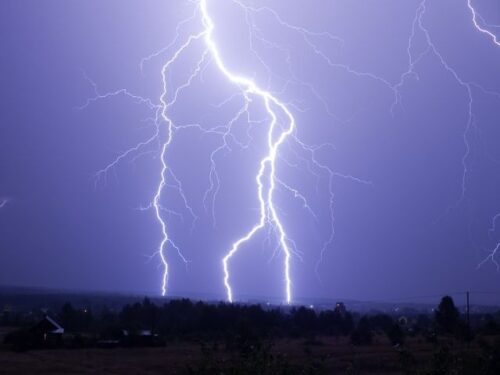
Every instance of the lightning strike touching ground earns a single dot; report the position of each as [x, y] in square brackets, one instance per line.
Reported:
[249, 87]
[266, 179]
[268, 164]
[268, 210]
[282, 139]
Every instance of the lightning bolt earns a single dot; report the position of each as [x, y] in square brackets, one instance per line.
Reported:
[479, 24]
[475, 17]
[268, 211]
[476, 20]
[281, 127]
[161, 116]
[249, 90]
[468, 86]
[267, 208]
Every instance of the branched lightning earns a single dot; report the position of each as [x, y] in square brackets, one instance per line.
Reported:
[477, 19]
[278, 133]
[467, 86]
[161, 116]
[164, 168]
[267, 165]
[281, 129]
[479, 24]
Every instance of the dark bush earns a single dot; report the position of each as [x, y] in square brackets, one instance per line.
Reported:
[395, 334]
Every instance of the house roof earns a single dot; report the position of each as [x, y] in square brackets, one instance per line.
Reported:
[57, 326]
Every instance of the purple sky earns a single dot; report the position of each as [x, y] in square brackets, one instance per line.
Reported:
[411, 159]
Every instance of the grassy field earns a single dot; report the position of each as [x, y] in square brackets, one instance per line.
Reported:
[333, 356]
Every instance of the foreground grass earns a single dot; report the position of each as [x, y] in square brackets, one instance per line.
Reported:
[325, 355]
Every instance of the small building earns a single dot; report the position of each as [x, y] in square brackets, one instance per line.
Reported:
[48, 330]
[141, 338]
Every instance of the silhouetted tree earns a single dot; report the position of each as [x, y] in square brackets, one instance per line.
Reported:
[447, 315]
[68, 316]
[304, 319]
[74, 320]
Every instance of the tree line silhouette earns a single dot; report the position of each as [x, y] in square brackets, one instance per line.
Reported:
[240, 339]
[148, 323]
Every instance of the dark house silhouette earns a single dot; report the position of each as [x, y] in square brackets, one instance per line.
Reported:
[48, 331]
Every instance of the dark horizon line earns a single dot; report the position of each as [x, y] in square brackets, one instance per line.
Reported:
[211, 297]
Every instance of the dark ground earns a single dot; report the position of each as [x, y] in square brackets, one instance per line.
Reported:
[329, 355]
